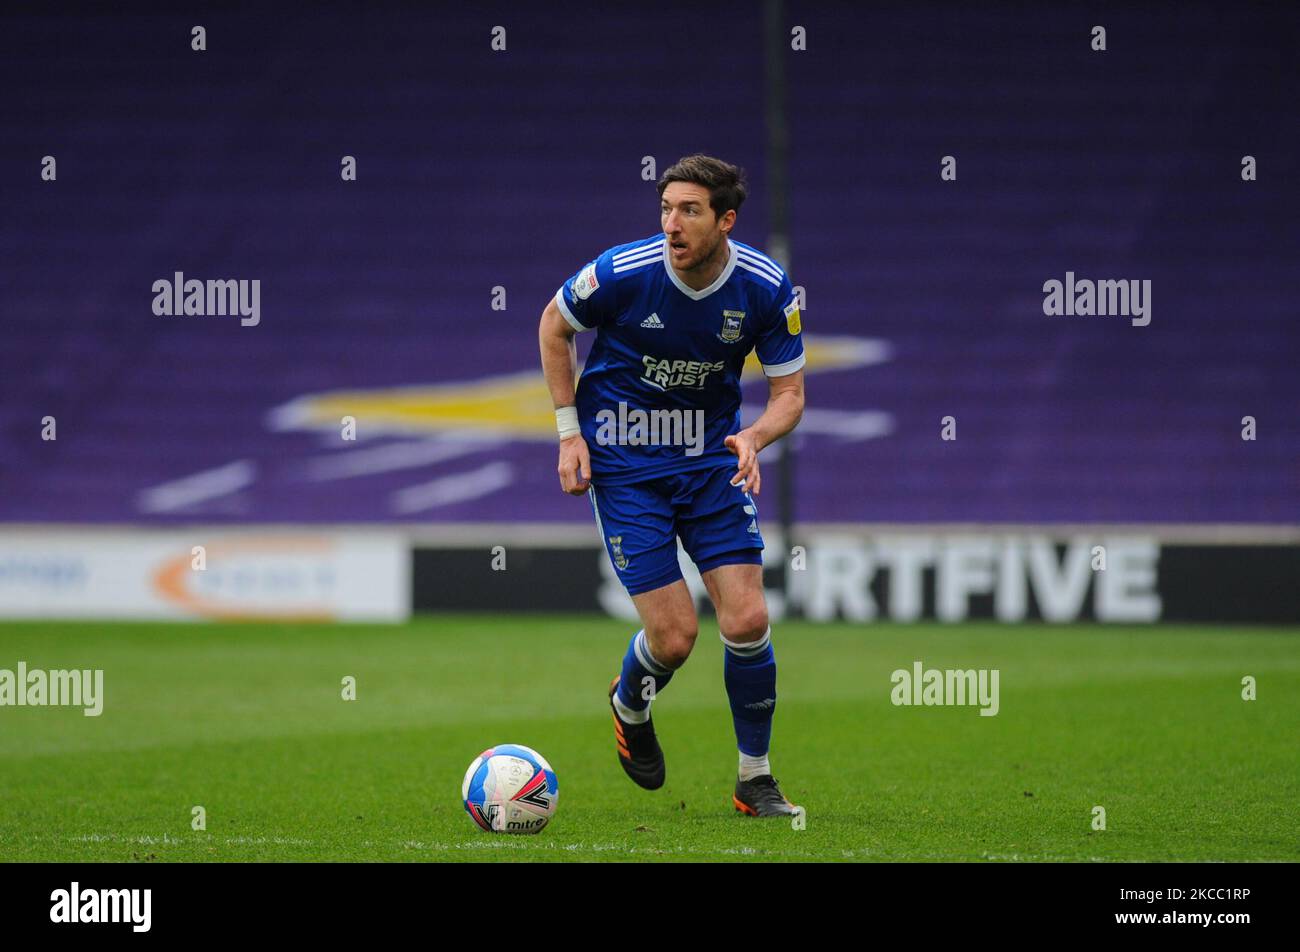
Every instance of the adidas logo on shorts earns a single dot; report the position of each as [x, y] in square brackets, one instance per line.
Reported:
[653, 321]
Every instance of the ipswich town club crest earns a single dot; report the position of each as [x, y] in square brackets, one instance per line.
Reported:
[731, 325]
[616, 547]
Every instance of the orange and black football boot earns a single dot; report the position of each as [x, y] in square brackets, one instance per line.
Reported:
[638, 748]
[761, 797]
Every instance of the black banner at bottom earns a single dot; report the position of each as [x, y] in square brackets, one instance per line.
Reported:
[333, 901]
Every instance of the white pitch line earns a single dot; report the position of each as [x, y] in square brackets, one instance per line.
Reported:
[200, 487]
[346, 464]
[451, 489]
[521, 845]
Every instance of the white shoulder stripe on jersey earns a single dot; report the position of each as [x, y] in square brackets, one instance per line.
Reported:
[755, 266]
[761, 258]
[742, 263]
[652, 255]
[634, 266]
[635, 252]
[759, 263]
[650, 243]
[638, 262]
[563, 305]
[638, 253]
[785, 369]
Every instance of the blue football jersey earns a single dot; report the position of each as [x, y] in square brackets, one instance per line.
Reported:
[664, 351]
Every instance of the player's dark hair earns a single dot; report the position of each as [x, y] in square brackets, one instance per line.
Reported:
[725, 182]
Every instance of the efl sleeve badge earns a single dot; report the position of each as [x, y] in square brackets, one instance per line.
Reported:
[792, 323]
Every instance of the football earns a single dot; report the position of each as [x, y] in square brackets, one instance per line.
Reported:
[510, 788]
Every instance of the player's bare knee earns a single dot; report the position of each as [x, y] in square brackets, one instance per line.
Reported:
[677, 653]
[680, 644]
[746, 626]
[672, 643]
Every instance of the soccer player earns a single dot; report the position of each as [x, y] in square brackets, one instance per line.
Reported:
[653, 436]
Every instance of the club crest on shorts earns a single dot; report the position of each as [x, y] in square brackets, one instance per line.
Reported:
[731, 325]
[616, 549]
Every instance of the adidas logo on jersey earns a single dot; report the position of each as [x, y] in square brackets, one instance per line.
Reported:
[653, 321]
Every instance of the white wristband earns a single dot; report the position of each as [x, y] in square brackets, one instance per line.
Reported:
[566, 421]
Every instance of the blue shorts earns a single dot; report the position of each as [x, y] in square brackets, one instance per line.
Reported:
[640, 522]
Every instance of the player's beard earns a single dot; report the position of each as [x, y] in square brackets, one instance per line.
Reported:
[709, 259]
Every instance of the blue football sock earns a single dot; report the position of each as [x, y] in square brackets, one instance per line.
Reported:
[634, 690]
[750, 673]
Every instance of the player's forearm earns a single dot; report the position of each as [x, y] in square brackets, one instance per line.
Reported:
[783, 412]
[559, 365]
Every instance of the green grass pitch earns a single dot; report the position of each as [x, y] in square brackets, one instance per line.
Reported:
[247, 721]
